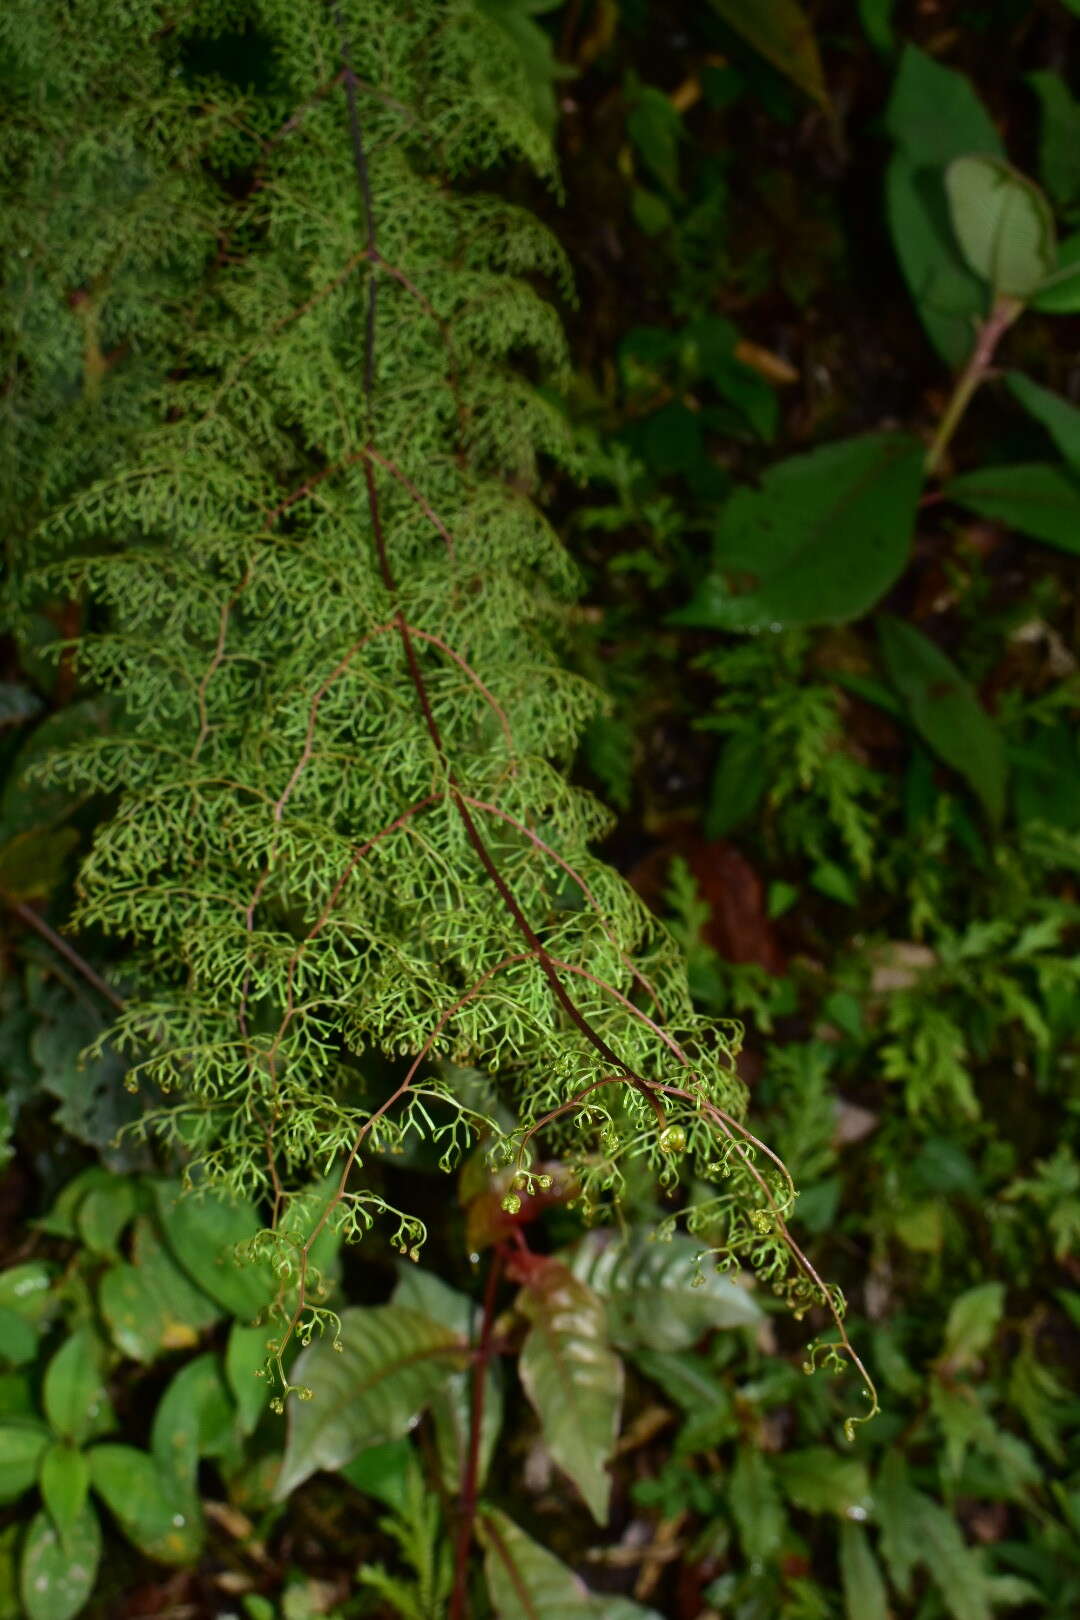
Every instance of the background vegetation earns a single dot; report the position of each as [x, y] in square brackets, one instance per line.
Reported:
[823, 478]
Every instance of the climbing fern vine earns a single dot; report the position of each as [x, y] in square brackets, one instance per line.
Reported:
[342, 841]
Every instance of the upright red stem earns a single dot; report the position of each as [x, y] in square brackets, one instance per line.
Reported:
[470, 1483]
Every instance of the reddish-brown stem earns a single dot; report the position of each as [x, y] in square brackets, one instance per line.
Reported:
[470, 1484]
[30, 917]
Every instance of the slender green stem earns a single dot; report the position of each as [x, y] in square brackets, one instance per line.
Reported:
[990, 333]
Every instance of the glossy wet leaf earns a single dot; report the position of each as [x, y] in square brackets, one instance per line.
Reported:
[162, 1517]
[25, 1289]
[526, 1582]
[1041, 499]
[780, 31]
[1003, 224]
[572, 1377]
[76, 1402]
[945, 710]
[392, 1363]
[203, 1233]
[22, 1445]
[64, 1480]
[865, 1595]
[55, 1577]
[1058, 416]
[820, 540]
[658, 1296]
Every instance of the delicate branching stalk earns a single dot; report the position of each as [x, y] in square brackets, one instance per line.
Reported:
[989, 335]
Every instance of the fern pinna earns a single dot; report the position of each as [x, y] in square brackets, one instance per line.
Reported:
[343, 831]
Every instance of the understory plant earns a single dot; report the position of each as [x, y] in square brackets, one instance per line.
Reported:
[330, 819]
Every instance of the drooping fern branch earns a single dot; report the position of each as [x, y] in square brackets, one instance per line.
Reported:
[343, 829]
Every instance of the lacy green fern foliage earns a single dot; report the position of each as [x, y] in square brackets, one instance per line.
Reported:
[343, 826]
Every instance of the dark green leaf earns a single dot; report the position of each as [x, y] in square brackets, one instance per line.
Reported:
[755, 1504]
[1060, 293]
[195, 1418]
[655, 128]
[1059, 139]
[1038, 498]
[64, 1478]
[162, 1517]
[57, 1578]
[934, 116]
[658, 1296]
[245, 1371]
[382, 1471]
[972, 1322]
[780, 32]
[572, 1377]
[738, 784]
[945, 711]
[25, 1289]
[393, 1362]
[1060, 419]
[865, 1597]
[824, 537]
[22, 1445]
[203, 1232]
[821, 1480]
[76, 1403]
[1003, 224]
[104, 1212]
[18, 1341]
[526, 1582]
[151, 1306]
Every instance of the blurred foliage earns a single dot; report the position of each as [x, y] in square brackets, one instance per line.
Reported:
[843, 740]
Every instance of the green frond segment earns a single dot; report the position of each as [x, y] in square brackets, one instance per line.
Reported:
[316, 741]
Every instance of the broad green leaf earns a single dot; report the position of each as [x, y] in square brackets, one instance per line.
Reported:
[164, 1522]
[823, 1481]
[25, 1289]
[1038, 498]
[64, 1478]
[779, 30]
[60, 1219]
[22, 1445]
[656, 128]
[738, 784]
[972, 1322]
[195, 1418]
[245, 1372]
[393, 1362]
[825, 535]
[203, 1233]
[526, 1582]
[18, 1341]
[876, 19]
[104, 1212]
[1060, 293]
[755, 1504]
[1003, 224]
[953, 1566]
[896, 1505]
[152, 1306]
[572, 1377]
[945, 711]
[685, 1378]
[76, 1403]
[382, 1471]
[658, 1296]
[1060, 419]
[55, 1577]
[865, 1597]
[934, 116]
[1059, 139]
